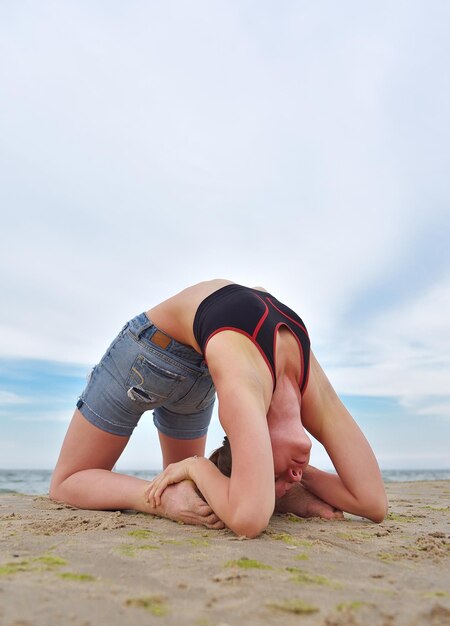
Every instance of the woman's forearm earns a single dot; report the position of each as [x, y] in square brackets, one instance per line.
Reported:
[237, 513]
[330, 488]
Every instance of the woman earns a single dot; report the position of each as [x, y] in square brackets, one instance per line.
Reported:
[270, 389]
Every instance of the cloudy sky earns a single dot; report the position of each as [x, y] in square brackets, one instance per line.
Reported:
[145, 146]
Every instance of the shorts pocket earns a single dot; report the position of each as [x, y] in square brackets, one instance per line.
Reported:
[199, 396]
[151, 383]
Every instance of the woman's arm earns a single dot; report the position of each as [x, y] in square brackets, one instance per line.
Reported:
[246, 500]
[83, 478]
[358, 486]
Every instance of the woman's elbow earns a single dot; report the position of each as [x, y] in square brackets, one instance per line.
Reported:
[249, 525]
[249, 529]
[377, 510]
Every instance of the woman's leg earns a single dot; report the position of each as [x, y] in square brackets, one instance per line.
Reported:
[83, 478]
[174, 450]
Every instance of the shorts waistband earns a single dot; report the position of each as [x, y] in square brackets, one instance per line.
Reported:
[143, 328]
[158, 337]
[141, 323]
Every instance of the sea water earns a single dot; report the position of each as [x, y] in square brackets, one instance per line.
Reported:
[36, 482]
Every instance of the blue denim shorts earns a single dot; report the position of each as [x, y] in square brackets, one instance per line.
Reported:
[145, 369]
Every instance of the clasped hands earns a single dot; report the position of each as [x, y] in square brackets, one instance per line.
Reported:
[174, 473]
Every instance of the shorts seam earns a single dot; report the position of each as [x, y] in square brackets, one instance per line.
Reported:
[181, 433]
[103, 419]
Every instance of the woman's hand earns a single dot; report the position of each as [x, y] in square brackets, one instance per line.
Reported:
[174, 473]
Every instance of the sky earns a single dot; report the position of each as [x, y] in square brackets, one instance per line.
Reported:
[304, 147]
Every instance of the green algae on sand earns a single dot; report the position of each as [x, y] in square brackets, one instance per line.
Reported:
[201, 543]
[14, 567]
[301, 557]
[356, 535]
[142, 533]
[305, 578]
[50, 561]
[290, 540]
[130, 549]
[246, 563]
[156, 605]
[44, 563]
[436, 594]
[298, 607]
[350, 606]
[75, 576]
[436, 508]
[389, 556]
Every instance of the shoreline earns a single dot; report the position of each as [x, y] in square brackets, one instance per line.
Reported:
[59, 564]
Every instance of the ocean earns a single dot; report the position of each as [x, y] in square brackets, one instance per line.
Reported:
[36, 482]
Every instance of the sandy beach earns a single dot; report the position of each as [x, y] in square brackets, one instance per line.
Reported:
[60, 565]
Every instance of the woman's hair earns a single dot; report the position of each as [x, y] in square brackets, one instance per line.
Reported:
[222, 457]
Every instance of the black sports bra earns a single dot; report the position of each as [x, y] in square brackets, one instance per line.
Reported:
[255, 314]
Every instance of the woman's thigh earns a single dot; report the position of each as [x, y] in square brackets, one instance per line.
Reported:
[135, 375]
[86, 447]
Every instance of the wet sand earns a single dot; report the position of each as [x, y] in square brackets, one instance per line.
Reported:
[60, 565]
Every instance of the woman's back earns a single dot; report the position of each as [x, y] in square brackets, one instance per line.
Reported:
[175, 316]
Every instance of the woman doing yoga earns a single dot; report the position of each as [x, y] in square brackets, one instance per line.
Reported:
[254, 351]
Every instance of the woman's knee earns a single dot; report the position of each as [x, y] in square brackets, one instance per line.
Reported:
[56, 490]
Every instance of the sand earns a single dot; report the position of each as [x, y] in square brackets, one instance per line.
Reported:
[60, 565]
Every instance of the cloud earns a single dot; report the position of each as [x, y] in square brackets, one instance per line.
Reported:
[45, 416]
[8, 398]
[400, 350]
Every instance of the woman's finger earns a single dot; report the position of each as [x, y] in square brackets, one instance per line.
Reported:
[159, 489]
[150, 493]
[174, 473]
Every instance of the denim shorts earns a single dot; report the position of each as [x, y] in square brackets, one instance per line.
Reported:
[145, 369]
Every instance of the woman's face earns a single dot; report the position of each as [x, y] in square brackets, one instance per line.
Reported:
[291, 448]
[291, 445]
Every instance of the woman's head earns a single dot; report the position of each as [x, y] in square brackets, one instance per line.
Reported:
[288, 470]
[290, 443]
[222, 457]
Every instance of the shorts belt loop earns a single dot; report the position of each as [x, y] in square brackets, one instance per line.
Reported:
[159, 338]
[145, 325]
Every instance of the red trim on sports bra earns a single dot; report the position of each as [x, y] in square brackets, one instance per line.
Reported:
[305, 382]
[261, 321]
[289, 318]
[242, 332]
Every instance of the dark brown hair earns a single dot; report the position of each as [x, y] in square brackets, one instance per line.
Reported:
[222, 457]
